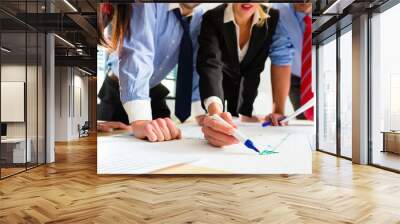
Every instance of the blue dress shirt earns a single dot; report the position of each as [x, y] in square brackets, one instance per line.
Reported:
[282, 49]
[150, 53]
[294, 25]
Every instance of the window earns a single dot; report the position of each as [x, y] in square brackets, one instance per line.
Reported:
[327, 96]
[346, 93]
[170, 82]
[102, 67]
[385, 89]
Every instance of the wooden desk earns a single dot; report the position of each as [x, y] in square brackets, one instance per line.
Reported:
[391, 141]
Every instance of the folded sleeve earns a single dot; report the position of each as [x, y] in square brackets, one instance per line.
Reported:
[282, 49]
[136, 62]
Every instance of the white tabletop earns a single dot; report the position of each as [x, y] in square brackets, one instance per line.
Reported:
[124, 154]
[13, 140]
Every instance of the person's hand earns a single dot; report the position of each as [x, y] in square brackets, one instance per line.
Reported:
[252, 119]
[110, 126]
[275, 119]
[200, 119]
[161, 129]
[218, 134]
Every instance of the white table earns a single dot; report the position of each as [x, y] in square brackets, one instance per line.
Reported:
[18, 151]
[124, 154]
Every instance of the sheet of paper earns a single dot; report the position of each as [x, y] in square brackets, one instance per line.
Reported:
[125, 154]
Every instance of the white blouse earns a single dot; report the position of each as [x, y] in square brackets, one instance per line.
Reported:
[228, 17]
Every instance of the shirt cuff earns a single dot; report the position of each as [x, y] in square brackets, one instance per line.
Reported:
[213, 99]
[281, 63]
[197, 109]
[138, 110]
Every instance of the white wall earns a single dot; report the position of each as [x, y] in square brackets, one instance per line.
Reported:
[81, 104]
[34, 126]
[263, 103]
[16, 73]
[61, 103]
[71, 102]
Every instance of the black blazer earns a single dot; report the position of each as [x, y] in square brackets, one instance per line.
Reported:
[218, 65]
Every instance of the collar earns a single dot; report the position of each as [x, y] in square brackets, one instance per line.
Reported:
[300, 15]
[172, 6]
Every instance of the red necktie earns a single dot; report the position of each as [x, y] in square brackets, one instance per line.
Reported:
[106, 8]
[306, 69]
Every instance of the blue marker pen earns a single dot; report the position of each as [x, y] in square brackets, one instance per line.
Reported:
[303, 108]
[237, 134]
[269, 123]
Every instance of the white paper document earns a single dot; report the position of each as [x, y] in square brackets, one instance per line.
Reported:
[124, 154]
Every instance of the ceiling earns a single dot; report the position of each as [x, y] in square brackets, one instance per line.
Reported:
[332, 15]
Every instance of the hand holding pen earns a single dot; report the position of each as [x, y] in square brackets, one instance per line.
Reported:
[284, 119]
[237, 134]
[275, 119]
[217, 133]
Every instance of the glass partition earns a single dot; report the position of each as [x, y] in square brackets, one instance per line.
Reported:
[22, 77]
[15, 150]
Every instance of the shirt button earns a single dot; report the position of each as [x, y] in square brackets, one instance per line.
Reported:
[167, 56]
[173, 41]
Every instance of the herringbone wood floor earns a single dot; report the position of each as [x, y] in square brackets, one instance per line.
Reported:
[69, 191]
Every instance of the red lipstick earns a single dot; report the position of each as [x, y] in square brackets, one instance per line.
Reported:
[246, 6]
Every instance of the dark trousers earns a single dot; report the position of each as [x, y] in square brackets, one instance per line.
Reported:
[231, 94]
[240, 95]
[295, 94]
[111, 108]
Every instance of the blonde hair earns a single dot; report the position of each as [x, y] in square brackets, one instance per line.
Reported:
[263, 16]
